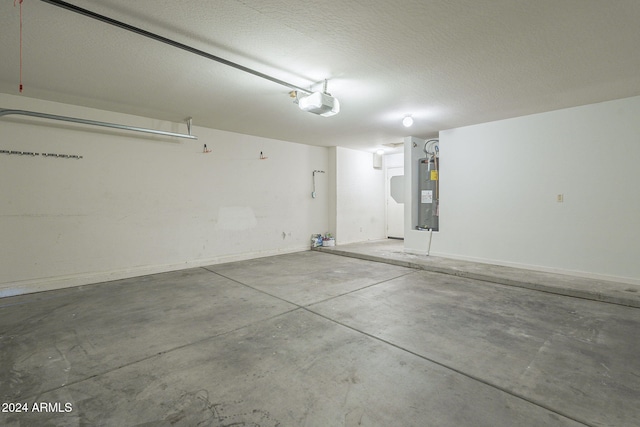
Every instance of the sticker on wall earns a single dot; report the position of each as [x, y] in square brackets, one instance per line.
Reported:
[33, 154]
[426, 196]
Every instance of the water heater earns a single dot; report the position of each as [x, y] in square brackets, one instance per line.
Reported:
[428, 197]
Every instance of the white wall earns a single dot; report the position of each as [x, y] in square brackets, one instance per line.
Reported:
[138, 204]
[500, 180]
[360, 213]
[333, 195]
[395, 160]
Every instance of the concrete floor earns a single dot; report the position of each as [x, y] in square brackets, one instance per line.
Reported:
[316, 339]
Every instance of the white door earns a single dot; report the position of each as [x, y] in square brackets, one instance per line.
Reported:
[395, 202]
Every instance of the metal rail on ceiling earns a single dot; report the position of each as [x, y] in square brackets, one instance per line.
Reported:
[7, 112]
[162, 39]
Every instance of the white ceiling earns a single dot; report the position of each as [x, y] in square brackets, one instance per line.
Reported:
[448, 62]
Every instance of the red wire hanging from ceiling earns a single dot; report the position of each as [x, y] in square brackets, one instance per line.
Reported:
[14, 5]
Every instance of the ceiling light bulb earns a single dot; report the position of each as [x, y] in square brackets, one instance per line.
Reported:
[380, 152]
[407, 121]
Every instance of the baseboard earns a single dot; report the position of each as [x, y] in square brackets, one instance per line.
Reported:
[61, 282]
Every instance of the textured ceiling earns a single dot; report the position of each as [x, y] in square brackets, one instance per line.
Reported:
[448, 62]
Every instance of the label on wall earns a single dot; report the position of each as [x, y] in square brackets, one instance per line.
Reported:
[426, 196]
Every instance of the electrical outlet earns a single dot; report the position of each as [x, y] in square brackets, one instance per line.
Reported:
[560, 198]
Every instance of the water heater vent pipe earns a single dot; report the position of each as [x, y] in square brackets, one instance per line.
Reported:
[431, 147]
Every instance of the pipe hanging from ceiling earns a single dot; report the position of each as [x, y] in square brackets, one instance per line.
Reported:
[162, 39]
[7, 112]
